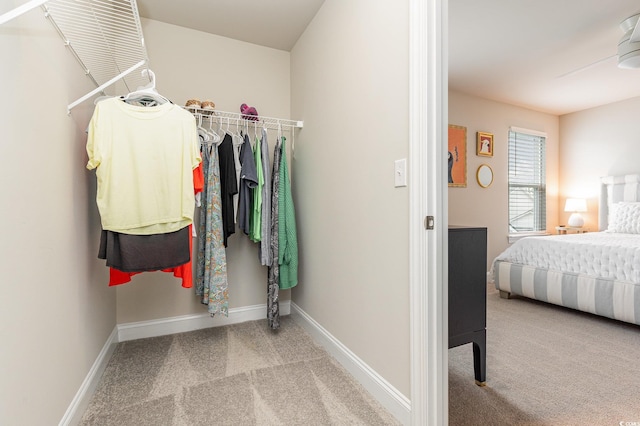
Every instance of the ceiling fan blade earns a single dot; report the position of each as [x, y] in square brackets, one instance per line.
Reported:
[635, 35]
[632, 22]
[586, 67]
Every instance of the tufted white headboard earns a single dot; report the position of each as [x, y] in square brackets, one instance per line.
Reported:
[614, 189]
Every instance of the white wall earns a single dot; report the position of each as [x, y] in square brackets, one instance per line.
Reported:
[57, 311]
[349, 74]
[488, 207]
[193, 64]
[597, 142]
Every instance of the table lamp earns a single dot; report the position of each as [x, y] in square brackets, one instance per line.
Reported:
[575, 205]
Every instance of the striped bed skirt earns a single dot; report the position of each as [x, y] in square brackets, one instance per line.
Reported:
[618, 300]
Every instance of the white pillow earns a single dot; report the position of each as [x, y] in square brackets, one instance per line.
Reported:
[624, 217]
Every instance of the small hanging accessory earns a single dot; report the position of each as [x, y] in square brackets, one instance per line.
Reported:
[248, 112]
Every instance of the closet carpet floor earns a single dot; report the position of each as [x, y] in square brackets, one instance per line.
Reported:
[240, 374]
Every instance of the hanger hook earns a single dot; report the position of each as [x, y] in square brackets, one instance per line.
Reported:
[152, 77]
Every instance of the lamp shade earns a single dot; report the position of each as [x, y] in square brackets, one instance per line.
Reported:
[575, 205]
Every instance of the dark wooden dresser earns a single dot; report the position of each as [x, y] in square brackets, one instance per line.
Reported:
[468, 294]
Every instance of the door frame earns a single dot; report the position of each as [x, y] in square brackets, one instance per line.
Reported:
[428, 117]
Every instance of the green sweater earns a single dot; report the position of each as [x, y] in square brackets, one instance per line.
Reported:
[255, 219]
[287, 236]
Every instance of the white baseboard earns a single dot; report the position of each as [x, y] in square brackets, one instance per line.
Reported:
[184, 323]
[81, 400]
[388, 396]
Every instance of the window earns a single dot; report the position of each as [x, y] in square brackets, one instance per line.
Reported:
[527, 182]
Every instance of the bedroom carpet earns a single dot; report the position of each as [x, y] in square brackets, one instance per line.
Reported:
[241, 374]
[548, 366]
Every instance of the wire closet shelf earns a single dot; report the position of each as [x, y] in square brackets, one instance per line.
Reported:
[104, 36]
[235, 118]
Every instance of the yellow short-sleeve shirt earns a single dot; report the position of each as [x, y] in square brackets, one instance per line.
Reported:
[144, 159]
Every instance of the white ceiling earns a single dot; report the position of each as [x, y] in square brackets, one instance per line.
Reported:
[272, 23]
[522, 52]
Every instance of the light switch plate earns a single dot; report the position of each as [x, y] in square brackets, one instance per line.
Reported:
[400, 173]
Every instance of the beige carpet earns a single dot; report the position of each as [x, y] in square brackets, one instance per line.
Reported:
[242, 374]
[548, 366]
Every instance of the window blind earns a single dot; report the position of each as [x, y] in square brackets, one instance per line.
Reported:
[527, 181]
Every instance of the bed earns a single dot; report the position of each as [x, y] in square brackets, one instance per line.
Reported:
[595, 272]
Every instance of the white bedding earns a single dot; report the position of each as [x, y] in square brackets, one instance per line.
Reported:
[601, 254]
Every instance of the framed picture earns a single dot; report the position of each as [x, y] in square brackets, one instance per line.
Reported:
[484, 144]
[457, 156]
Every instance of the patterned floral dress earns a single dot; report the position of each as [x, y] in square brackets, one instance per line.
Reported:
[211, 269]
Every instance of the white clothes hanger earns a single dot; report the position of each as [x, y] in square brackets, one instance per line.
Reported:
[229, 131]
[246, 130]
[205, 137]
[147, 92]
[215, 137]
[220, 129]
[237, 136]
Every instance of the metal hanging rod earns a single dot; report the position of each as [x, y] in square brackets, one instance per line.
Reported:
[270, 122]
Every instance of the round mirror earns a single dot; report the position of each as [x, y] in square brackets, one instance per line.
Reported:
[484, 175]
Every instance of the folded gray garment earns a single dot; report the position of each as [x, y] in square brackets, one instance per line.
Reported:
[137, 253]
